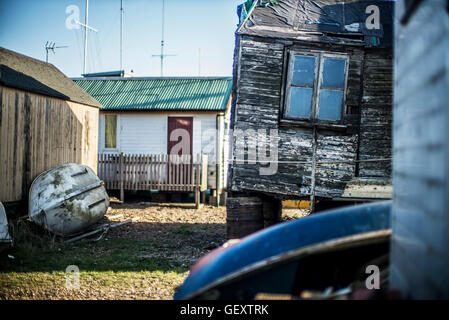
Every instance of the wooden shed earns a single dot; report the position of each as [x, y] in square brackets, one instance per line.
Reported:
[315, 76]
[45, 120]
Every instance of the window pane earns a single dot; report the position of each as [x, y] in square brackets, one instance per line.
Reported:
[334, 73]
[300, 102]
[303, 71]
[110, 131]
[330, 105]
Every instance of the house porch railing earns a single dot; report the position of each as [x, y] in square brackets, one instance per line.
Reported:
[160, 172]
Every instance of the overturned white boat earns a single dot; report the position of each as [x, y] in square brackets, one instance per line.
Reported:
[67, 199]
[5, 238]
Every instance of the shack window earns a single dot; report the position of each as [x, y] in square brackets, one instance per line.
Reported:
[315, 88]
[110, 131]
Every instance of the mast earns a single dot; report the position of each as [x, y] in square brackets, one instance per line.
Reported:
[86, 23]
[162, 41]
[162, 55]
[121, 35]
[199, 62]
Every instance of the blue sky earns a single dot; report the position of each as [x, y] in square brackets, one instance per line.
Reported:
[26, 25]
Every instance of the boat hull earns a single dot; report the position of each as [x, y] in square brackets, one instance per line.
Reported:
[255, 254]
[68, 199]
[5, 238]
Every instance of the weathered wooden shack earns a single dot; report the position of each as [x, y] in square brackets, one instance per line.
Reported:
[318, 74]
[45, 120]
[419, 256]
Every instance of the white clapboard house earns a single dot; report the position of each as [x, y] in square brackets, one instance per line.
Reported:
[139, 115]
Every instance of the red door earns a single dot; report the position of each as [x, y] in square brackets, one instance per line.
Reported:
[180, 135]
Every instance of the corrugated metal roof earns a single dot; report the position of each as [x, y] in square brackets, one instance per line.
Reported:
[200, 94]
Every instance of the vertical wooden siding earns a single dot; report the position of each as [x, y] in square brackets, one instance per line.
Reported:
[38, 133]
[419, 245]
[376, 113]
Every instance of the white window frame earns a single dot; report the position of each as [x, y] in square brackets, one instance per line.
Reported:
[117, 148]
[319, 55]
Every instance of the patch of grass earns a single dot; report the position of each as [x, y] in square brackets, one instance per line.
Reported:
[106, 255]
[92, 285]
[183, 230]
[109, 269]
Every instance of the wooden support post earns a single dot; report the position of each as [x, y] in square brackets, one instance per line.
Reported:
[203, 197]
[121, 169]
[313, 182]
[272, 211]
[217, 202]
[218, 182]
[244, 215]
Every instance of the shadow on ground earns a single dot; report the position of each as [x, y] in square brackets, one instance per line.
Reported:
[165, 237]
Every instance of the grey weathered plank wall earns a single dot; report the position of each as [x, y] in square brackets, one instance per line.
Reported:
[419, 254]
[376, 115]
[257, 96]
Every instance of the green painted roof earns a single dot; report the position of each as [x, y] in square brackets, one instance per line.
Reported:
[167, 93]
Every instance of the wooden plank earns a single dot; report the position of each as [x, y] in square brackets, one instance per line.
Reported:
[147, 172]
[183, 172]
[204, 172]
[169, 168]
[122, 186]
[158, 170]
[142, 174]
[197, 182]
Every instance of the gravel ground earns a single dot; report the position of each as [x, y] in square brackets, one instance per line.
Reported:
[181, 231]
[146, 259]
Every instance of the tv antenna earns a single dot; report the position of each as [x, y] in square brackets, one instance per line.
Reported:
[86, 27]
[162, 55]
[51, 46]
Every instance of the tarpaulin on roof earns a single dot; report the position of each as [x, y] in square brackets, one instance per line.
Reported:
[330, 16]
[244, 9]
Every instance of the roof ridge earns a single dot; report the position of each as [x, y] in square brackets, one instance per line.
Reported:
[33, 75]
[26, 57]
[152, 78]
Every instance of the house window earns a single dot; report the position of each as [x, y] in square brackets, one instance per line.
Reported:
[110, 132]
[315, 88]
